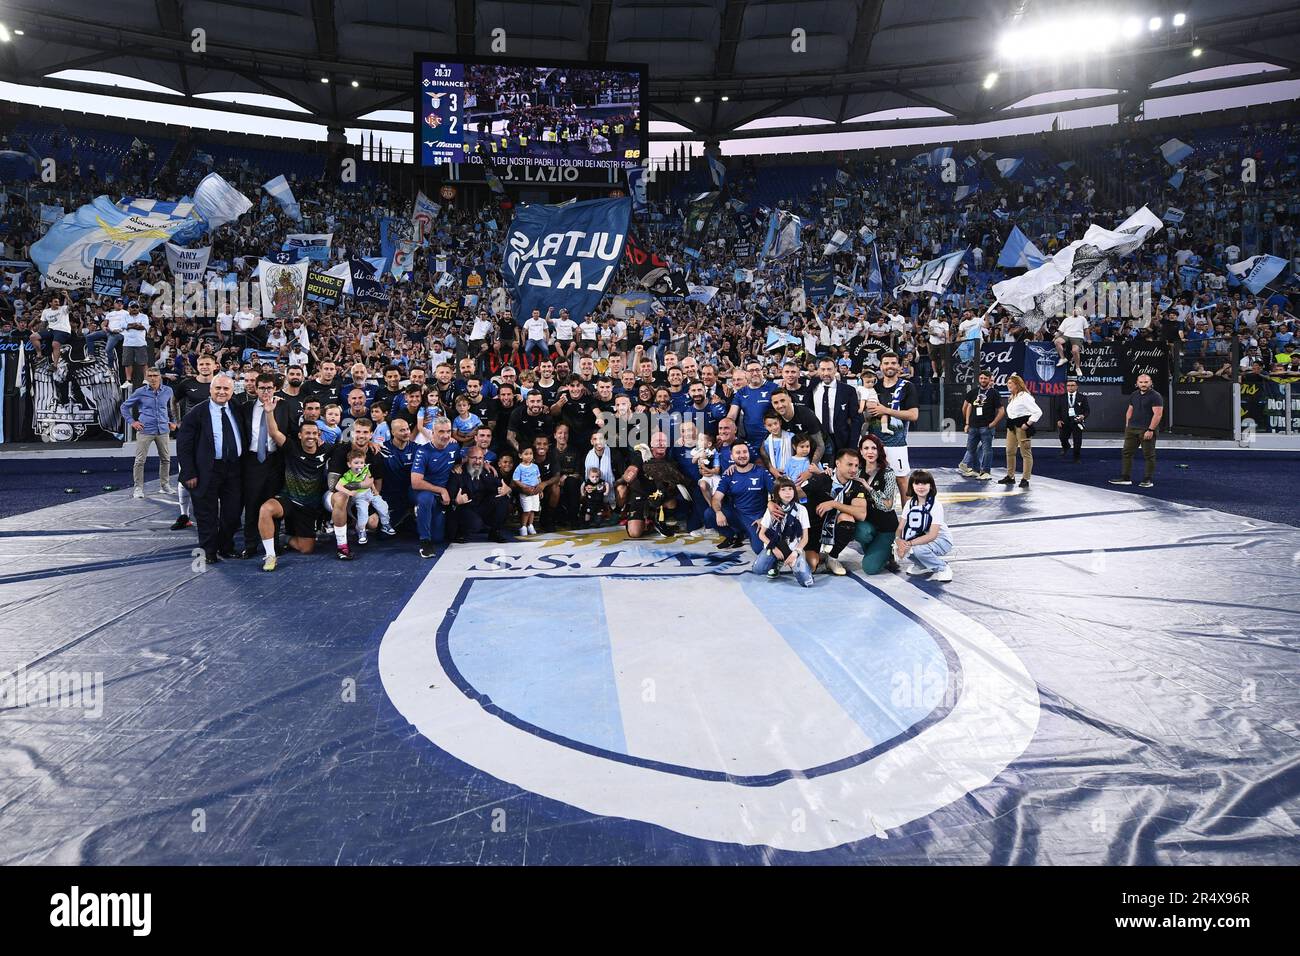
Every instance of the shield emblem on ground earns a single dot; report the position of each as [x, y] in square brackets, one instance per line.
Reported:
[668, 684]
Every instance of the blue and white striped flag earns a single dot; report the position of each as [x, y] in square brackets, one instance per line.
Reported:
[1176, 180]
[875, 281]
[964, 191]
[282, 193]
[933, 276]
[717, 170]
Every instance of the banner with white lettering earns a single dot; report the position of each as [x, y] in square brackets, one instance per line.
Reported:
[310, 245]
[564, 256]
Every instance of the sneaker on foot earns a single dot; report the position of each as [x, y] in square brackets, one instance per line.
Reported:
[138, 493]
[426, 549]
[1060, 362]
[985, 476]
[1024, 482]
[269, 563]
[343, 554]
[1008, 480]
[1121, 481]
[166, 490]
[835, 566]
[361, 536]
[943, 576]
[1146, 484]
[181, 523]
[965, 470]
[771, 573]
[915, 569]
[389, 530]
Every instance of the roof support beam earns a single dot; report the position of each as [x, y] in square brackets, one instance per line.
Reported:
[327, 36]
[860, 50]
[598, 44]
[171, 23]
[466, 26]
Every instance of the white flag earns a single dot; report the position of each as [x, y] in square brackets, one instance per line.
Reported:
[187, 265]
[218, 202]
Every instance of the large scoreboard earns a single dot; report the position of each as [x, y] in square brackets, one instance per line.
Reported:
[529, 113]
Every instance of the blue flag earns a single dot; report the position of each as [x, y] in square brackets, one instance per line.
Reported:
[1257, 271]
[1018, 250]
[564, 256]
[875, 282]
[636, 186]
[717, 170]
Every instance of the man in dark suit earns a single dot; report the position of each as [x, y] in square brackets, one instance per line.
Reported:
[262, 466]
[835, 403]
[482, 499]
[1069, 411]
[210, 447]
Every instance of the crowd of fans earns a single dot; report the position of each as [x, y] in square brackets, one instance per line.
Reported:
[469, 424]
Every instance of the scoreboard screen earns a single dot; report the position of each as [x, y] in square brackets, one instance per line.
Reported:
[529, 113]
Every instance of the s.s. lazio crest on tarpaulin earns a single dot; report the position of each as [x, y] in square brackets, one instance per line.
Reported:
[564, 256]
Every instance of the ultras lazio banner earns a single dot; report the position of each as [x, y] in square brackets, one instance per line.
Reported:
[564, 256]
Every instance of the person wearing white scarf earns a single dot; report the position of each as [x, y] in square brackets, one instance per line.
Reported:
[603, 462]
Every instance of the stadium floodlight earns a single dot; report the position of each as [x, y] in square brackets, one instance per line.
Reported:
[697, 99]
[990, 80]
[4, 33]
[1079, 36]
[18, 33]
[1180, 19]
[725, 98]
[1196, 51]
[324, 79]
[1132, 27]
[1154, 24]
[355, 84]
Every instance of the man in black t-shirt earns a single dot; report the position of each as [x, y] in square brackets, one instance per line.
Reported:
[981, 410]
[529, 421]
[300, 502]
[577, 409]
[338, 501]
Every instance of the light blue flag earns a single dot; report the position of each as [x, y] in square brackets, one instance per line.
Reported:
[1019, 251]
[964, 191]
[866, 235]
[778, 340]
[1257, 271]
[783, 235]
[1008, 167]
[1001, 214]
[1175, 151]
[282, 193]
[934, 276]
[717, 170]
[98, 230]
[934, 157]
[191, 227]
[218, 202]
[1176, 180]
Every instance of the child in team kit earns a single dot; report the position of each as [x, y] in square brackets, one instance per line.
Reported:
[784, 538]
[594, 492]
[359, 485]
[527, 480]
[868, 394]
[922, 532]
[775, 450]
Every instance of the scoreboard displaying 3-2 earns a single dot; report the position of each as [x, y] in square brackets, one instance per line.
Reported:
[529, 113]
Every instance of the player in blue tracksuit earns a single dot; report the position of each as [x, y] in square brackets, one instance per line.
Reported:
[750, 403]
[430, 475]
[395, 460]
[741, 500]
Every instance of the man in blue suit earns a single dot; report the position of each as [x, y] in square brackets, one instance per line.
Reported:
[209, 445]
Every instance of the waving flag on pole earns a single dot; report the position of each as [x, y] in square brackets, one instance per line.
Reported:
[181, 214]
[1257, 271]
[875, 281]
[1019, 250]
[837, 242]
[933, 276]
[218, 202]
[934, 157]
[964, 191]
[717, 170]
[783, 235]
[1175, 151]
[1008, 167]
[282, 193]
[98, 230]
[1176, 180]
[1050, 289]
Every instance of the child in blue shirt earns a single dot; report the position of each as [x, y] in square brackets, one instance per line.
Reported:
[465, 422]
[527, 481]
[798, 463]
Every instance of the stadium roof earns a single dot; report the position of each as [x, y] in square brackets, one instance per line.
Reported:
[862, 57]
